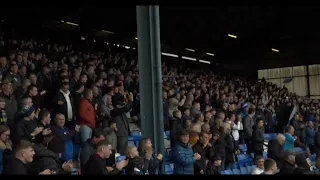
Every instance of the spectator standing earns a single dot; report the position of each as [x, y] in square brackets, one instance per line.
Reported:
[247, 128]
[11, 107]
[183, 156]
[86, 116]
[258, 137]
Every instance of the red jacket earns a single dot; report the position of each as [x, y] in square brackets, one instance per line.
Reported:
[86, 113]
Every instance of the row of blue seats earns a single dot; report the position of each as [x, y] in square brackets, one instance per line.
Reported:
[242, 170]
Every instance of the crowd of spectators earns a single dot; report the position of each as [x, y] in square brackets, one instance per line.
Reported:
[93, 97]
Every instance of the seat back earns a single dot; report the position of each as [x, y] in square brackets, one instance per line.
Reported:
[236, 171]
[228, 172]
[244, 170]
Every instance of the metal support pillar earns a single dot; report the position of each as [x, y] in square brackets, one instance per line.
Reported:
[150, 75]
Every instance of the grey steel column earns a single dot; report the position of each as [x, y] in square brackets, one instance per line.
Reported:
[150, 75]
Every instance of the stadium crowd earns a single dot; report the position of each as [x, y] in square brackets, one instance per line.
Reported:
[92, 97]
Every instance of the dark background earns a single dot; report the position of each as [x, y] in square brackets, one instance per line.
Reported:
[294, 31]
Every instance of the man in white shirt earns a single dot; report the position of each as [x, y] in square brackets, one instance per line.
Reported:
[260, 165]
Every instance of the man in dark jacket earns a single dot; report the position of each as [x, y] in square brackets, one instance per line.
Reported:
[247, 128]
[275, 149]
[258, 138]
[268, 115]
[96, 165]
[205, 150]
[11, 107]
[89, 147]
[120, 117]
[48, 158]
[288, 164]
[176, 126]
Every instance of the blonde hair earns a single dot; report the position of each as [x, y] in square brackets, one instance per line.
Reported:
[129, 149]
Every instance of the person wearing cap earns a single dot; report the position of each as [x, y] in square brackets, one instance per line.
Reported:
[288, 164]
[26, 129]
[11, 107]
[183, 156]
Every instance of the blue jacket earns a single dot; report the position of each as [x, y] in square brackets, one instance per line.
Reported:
[66, 136]
[310, 132]
[289, 143]
[182, 155]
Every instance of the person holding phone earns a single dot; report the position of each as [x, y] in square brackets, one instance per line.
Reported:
[155, 159]
[96, 165]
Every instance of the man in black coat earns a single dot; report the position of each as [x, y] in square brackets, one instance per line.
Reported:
[202, 147]
[176, 126]
[96, 165]
[275, 149]
[288, 164]
[258, 138]
[48, 158]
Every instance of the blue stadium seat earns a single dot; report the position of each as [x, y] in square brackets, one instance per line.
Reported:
[131, 143]
[298, 149]
[265, 154]
[236, 171]
[135, 134]
[167, 133]
[243, 148]
[273, 135]
[244, 170]
[253, 167]
[250, 169]
[267, 137]
[168, 168]
[227, 172]
[244, 160]
[313, 157]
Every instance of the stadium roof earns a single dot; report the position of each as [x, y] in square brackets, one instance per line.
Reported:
[199, 31]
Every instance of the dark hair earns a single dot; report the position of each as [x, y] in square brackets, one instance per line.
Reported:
[43, 113]
[268, 163]
[30, 87]
[198, 116]
[251, 110]
[97, 132]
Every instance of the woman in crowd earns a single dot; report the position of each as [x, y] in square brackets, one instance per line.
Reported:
[155, 160]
